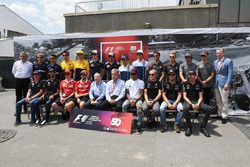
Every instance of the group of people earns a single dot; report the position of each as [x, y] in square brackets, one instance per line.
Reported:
[148, 88]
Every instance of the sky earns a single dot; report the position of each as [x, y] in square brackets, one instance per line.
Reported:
[45, 15]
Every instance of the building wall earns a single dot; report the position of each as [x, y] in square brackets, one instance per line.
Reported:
[169, 17]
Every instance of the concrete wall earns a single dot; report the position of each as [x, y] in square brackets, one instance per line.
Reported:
[194, 16]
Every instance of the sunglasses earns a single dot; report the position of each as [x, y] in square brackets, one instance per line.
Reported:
[203, 55]
[65, 55]
[188, 57]
[171, 57]
[171, 74]
[151, 74]
[84, 74]
[67, 74]
[133, 73]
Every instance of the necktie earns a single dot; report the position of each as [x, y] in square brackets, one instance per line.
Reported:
[219, 65]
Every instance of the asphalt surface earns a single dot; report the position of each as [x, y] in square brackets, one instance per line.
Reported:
[58, 145]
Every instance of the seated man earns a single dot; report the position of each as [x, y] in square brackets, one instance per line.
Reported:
[115, 92]
[36, 89]
[96, 93]
[193, 96]
[82, 89]
[152, 95]
[171, 94]
[51, 93]
[134, 92]
[66, 101]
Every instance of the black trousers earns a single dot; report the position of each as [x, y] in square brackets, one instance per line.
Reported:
[22, 87]
[207, 95]
[204, 108]
[115, 107]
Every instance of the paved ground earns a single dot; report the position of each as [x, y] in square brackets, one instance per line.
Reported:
[58, 145]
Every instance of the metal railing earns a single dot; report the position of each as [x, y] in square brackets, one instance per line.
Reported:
[105, 5]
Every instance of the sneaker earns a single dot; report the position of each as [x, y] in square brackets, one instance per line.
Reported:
[177, 129]
[139, 130]
[163, 128]
[17, 123]
[43, 122]
[37, 122]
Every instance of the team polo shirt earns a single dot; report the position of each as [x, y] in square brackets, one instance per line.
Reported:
[79, 66]
[52, 86]
[152, 88]
[134, 87]
[67, 87]
[175, 67]
[172, 90]
[204, 71]
[82, 87]
[192, 90]
[95, 66]
[36, 87]
[185, 68]
[57, 68]
[159, 67]
[108, 67]
[42, 69]
[69, 65]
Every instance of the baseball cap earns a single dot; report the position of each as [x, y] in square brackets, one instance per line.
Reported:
[36, 73]
[170, 71]
[51, 70]
[205, 53]
[80, 52]
[111, 54]
[191, 73]
[133, 71]
[140, 51]
[67, 72]
[94, 52]
[124, 57]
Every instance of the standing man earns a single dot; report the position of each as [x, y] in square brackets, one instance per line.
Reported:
[158, 66]
[95, 65]
[22, 71]
[152, 96]
[206, 76]
[40, 66]
[109, 66]
[193, 97]
[80, 64]
[172, 64]
[115, 92]
[141, 65]
[224, 73]
[187, 66]
[55, 66]
[125, 68]
[67, 63]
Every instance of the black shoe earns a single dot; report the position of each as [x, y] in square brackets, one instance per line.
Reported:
[139, 130]
[17, 123]
[163, 128]
[188, 132]
[31, 123]
[205, 132]
[223, 121]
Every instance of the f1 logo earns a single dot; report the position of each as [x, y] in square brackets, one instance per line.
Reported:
[116, 122]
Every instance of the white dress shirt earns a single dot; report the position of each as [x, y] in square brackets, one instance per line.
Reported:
[22, 69]
[115, 89]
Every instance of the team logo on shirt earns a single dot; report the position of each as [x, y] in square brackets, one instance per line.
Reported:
[197, 87]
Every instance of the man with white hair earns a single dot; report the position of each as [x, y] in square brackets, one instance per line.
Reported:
[96, 93]
[115, 92]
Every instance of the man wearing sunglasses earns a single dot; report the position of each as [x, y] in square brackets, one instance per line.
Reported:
[40, 66]
[66, 101]
[67, 63]
[134, 92]
[95, 65]
[187, 66]
[172, 64]
[152, 95]
[171, 94]
[205, 76]
[55, 66]
[158, 66]
[82, 89]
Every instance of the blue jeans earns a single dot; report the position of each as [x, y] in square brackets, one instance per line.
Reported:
[34, 109]
[48, 104]
[178, 117]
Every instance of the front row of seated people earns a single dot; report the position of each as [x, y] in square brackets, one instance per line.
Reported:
[148, 98]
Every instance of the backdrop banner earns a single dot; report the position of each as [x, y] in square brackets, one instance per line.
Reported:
[109, 121]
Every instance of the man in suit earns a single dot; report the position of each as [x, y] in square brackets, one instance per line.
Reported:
[224, 72]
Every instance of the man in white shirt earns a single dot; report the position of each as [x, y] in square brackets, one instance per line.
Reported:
[22, 71]
[141, 65]
[115, 92]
